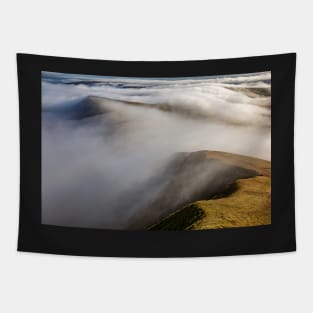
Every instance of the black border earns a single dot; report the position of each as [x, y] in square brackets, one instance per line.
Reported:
[277, 237]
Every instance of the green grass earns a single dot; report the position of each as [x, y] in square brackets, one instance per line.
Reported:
[245, 203]
[182, 219]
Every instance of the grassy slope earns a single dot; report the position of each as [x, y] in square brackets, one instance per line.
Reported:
[249, 205]
[244, 203]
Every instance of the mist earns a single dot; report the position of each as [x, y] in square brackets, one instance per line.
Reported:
[106, 168]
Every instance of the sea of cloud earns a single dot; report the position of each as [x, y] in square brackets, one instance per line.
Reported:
[102, 170]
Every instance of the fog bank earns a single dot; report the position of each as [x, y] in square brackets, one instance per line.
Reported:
[105, 159]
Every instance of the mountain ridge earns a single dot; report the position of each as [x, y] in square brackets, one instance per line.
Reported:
[201, 176]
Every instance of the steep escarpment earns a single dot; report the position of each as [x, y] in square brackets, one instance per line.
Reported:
[201, 175]
[248, 205]
[242, 198]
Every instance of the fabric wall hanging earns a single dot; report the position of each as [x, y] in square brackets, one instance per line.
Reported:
[156, 159]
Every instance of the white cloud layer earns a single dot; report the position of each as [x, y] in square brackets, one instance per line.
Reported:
[97, 171]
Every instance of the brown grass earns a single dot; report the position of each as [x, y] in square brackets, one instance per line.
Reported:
[246, 202]
[249, 205]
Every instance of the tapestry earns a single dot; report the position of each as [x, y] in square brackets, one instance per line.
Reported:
[156, 159]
